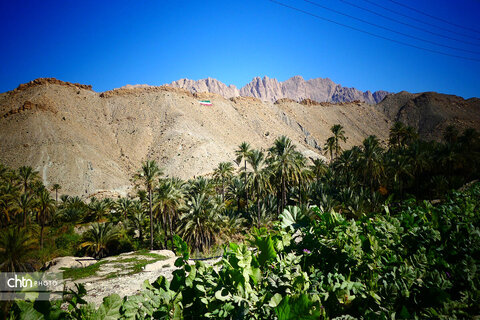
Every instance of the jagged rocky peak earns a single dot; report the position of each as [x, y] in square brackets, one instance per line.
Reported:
[207, 85]
[295, 88]
[265, 89]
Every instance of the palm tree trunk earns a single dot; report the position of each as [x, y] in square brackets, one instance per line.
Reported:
[170, 225]
[223, 191]
[300, 192]
[284, 193]
[165, 230]
[41, 235]
[151, 218]
[337, 147]
[279, 200]
[258, 207]
[246, 189]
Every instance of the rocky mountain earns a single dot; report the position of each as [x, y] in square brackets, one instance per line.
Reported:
[430, 112]
[92, 143]
[207, 85]
[295, 88]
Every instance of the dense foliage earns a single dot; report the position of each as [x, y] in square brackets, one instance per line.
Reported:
[353, 238]
[408, 261]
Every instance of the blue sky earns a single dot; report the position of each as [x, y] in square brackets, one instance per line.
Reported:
[112, 43]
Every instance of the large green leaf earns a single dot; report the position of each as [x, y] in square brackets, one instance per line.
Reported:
[110, 308]
[27, 311]
[291, 217]
[267, 249]
[297, 307]
[275, 300]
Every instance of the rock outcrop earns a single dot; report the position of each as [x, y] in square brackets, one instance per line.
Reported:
[43, 81]
[207, 85]
[295, 88]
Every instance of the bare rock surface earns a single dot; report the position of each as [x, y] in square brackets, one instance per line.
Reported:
[295, 88]
[121, 274]
[207, 85]
[61, 263]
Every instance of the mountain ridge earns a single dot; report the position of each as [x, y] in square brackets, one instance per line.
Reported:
[93, 142]
[295, 88]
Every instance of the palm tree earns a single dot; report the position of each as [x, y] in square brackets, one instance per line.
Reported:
[3, 171]
[401, 169]
[223, 172]
[55, 188]
[401, 135]
[64, 198]
[123, 207]
[168, 198]
[27, 175]
[397, 131]
[347, 164]
[98, 238]
[259, 176]
[96, 210]
[45, 208]
[24, 203]
[201, 185]
[303, 175]
[136, 216]
[235, 191]
[282, 162]
[338, 134]
[450, 134]
[147, 176]
[8, 194]
[242, 153]
[200, 225]
[468, 138]
[371, 164]
[70, 214]
[411, 135]
[319, 168]
[470, 152]
[16, 249]
[330, 147]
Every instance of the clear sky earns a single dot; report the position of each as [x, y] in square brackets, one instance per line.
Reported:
[112, 43]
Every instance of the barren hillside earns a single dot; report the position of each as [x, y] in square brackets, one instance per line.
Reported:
[430, 112]
[92, 142]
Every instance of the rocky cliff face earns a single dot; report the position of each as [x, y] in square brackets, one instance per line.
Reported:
[295, 88]
[207, 85]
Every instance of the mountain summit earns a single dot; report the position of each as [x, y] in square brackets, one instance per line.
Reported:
[295, 88]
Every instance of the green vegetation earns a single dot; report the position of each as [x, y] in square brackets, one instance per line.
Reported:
[80, 273]
[127, 265]
[378, 233]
